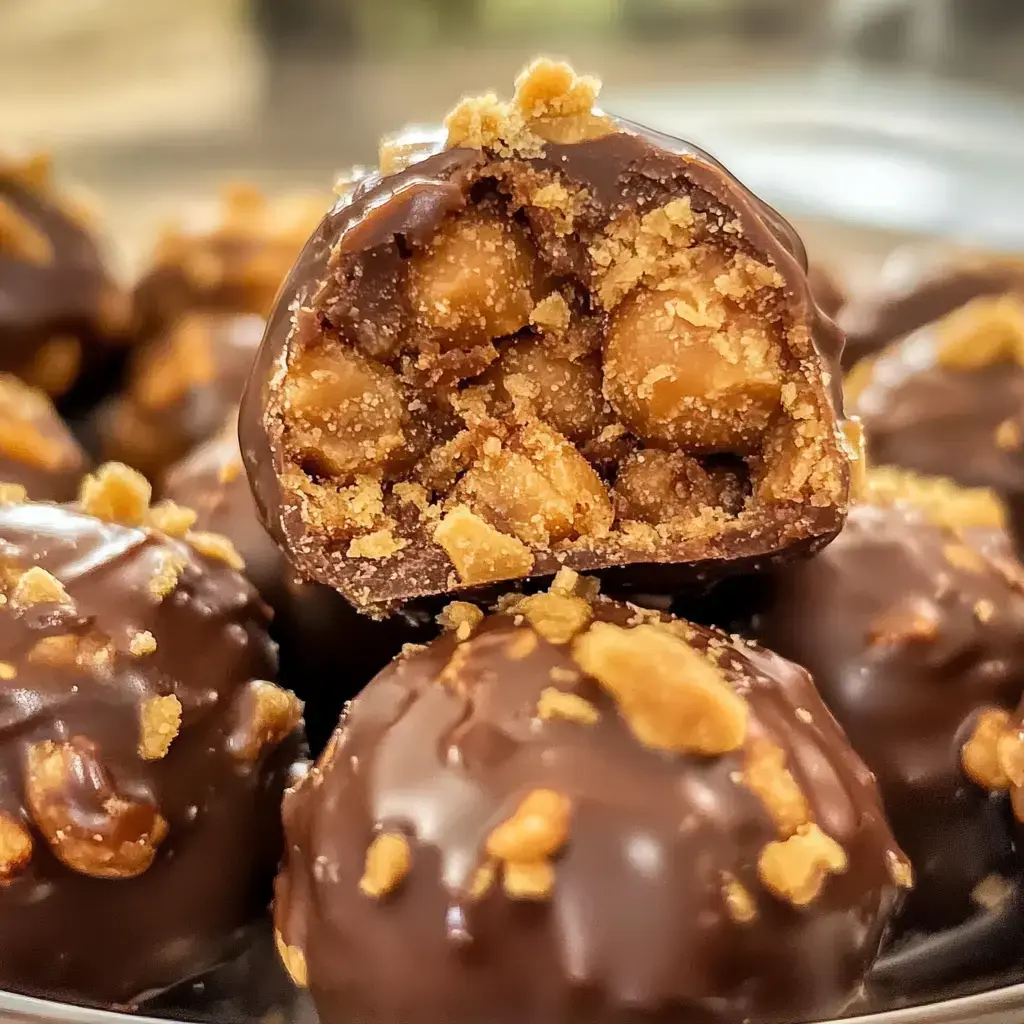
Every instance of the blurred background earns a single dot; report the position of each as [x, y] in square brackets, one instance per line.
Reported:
[868, 121]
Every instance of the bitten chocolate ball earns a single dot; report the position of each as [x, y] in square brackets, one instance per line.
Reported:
[181, 389]
[948, 399]
[327, 651]
[230, 257]
[912, 625]
[144, 746]
[485, 339]
[37, 450]
[62, 318]
[576, 810]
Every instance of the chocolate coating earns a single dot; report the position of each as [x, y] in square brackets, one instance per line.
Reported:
[62, 318]
[230, 258]
[37, 450]
[935, 415]
[127, 864]
[181, 389]
[909, 634]
[349, 291]
[916, 290]
[636, 926]
[327, 651]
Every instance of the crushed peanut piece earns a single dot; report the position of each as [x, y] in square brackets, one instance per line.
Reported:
[1008, 435]
[168, 572]
[765, 774]
[171, 518]
[671, 696]
[479, 552]
[90, 652]
[538, 829]
[159, 721]
[8, 670]
[460, 618]
[216, 545]
[983, 332]
[388, 860]
[37, 586]
[142, 643]
[797, 868]
[960, 556]
[739, 903]
[549, 88]
[483, 879]
[852, 436]
[532, 880]
[12, 494]
[911, 621]
[942, 501]
[551, 314]
[265, 715]
[900, 870]
[15, 846]
[376, 545]
[556, 617]
[116, 493]
[555, 703]
[980, 754]
[294, 960]
[523, 643]
[984, 610]
[1010, 754]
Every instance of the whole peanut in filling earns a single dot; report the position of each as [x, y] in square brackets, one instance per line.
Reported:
[558, 335]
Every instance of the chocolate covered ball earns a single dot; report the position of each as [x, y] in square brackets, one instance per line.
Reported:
[554, 338]
[62, 318]
[577, 810]
[181, 389]
[37, 450]
[327, 651]
[912, 625]
[227, 257]
[144, 746]
[948, 399]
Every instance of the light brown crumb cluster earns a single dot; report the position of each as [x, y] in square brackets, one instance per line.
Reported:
[159, 722]
[525, 844]
[120, 842]
[15, 847]
[508, 404]
[670, 695]
[460, 618]
[294, 960]
[264, 715]
[797, 868]
[944, 502]
[31, 432]
[993, 756]
[983, 332]
[388, 860]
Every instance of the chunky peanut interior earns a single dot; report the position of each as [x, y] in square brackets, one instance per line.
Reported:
[546, 372]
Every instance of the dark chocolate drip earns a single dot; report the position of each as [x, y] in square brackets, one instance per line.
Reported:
[636, 928]
[72, 935]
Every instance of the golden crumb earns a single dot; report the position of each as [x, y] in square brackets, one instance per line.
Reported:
[460, 618]
[377, 545]
[899, 869]
[12, 494]
[532, 880]
[168, 571]
[117, 494]
[551, 314]
[265, 715]
[479, 552]
[159, 722]
[483, 879]
[852, 436]
[765, 774]
[1010, 754]
[8, 670]
[942, 501]
[671, 696]
[522, 644]
[913, 620]
[294, 960]
[15, 846]
[557, 617]
[1008, 435]
[960, 556]
[983, 332]
[570, 707]
[797, 868]
[37, 586]
[537, 830]
[549, 88]
[980, 754]
[215, 545]
[171, 518]
[739, 903]
[388, 860]
[142, 643]
[984, 610]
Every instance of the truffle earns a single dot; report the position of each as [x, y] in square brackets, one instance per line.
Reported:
[181, 388]
[948, 399]
[327, 651]
[63, 320]
[917, 287]
[230, 257]
[577, 810]
[37, 450]
[559, 339]
[912, 625]
[144, 746]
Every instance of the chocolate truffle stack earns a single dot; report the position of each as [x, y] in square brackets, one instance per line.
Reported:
[548, 342]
